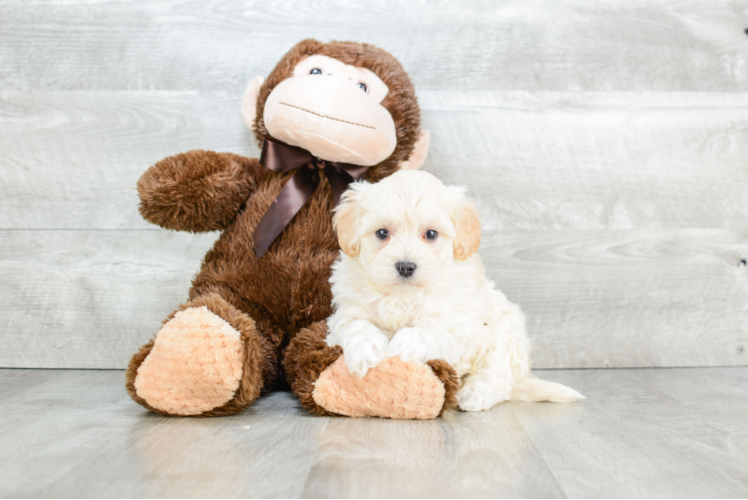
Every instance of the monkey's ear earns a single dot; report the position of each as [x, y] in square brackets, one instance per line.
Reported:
[346, 218]
[249, 103]
[420, 151]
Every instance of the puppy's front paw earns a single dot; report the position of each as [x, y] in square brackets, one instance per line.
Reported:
[470, 399]
[479, 395]
[412, 343]
[364, 351]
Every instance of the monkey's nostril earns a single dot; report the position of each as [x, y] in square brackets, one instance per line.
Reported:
[405, 268]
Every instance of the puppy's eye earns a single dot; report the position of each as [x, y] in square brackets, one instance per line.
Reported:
[315, 71]
[431, 234]
[383, 234]
[363, 87]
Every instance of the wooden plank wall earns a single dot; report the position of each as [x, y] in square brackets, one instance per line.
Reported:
[606, 143]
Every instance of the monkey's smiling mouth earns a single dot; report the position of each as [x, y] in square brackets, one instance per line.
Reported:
[325, 116]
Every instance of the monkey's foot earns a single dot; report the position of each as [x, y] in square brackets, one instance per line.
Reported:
[393, 389]
[194, 365]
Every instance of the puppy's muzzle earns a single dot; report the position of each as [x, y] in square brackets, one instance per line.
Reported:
[405, 268]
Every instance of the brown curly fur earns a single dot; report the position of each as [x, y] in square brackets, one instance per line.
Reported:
[132, 371]
[270, 299]
[306, 357]
[173, 191]
[260, 366]
[448, 376]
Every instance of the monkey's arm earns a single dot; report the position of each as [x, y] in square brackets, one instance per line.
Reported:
[197, 191]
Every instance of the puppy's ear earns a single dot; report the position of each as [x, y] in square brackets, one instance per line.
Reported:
[467, 225]
[346, 218]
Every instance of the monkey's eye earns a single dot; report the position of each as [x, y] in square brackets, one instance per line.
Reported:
[431, 234]
[363, 86]
[383, 234]
[315, 71]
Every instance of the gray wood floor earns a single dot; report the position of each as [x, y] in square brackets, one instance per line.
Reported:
[641, 433]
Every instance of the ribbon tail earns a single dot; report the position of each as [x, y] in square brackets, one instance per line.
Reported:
[341, 175]
[339, 180]
[292, 197]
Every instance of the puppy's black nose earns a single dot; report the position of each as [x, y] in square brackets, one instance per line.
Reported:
[406, 269]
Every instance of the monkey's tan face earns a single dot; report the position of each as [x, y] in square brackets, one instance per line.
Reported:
[334, 111]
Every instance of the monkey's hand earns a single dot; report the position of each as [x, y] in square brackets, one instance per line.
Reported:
[196, 191]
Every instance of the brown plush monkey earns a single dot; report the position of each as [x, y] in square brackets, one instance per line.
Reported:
[328, 114]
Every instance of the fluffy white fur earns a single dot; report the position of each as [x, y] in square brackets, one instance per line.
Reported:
[446, 310]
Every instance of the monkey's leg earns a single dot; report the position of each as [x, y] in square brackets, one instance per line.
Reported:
[394, 389]
[208, 359]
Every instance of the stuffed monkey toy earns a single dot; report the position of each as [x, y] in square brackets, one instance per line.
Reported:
[327, 115]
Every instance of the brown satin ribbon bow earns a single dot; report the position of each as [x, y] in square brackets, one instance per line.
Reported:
[280, 157]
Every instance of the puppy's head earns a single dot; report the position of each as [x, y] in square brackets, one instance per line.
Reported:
[406, 229]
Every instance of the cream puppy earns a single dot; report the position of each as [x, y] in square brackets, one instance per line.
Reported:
[409, 283]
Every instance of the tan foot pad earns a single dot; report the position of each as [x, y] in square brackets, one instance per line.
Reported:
[195, 364]
[393, 389]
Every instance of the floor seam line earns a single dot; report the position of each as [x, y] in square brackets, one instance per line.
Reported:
[547, 467]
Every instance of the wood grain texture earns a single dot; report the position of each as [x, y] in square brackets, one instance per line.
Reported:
[593, 298]
[479, 45]
[547, 160]
[89, 298]
[626, 298]
[533, 160]
[77, 434]
[71, 160]
[460, 455]
[674, 448]
[642, 433]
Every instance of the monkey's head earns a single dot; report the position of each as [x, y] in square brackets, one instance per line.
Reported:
[341, 101]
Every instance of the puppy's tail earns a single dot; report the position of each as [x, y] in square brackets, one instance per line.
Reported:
[534, 389]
